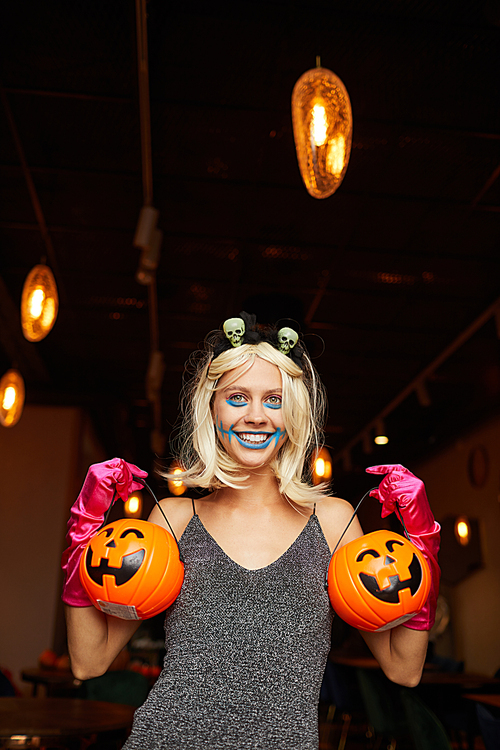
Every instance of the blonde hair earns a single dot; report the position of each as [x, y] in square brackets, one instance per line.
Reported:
[200, 451]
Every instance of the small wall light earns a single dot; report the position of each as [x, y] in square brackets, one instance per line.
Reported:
[322, 128]
[322, 467]
[39, 303]
[176, 486]
[462, 530]
[11, 398]
[133, 506]
[380, 436]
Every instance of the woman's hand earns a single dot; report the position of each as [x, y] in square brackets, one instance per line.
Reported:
[87, 514]
[403, 490]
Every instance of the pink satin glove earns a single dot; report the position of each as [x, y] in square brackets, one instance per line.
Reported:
[87, 514]
[403, 488]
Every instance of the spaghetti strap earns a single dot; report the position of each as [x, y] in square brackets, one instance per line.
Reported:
[314, 510]
[194, 509]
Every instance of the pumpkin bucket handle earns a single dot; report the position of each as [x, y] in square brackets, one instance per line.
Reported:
[146, 486]
[400, 518]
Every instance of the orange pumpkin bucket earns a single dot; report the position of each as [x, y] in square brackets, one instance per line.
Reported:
[132, 569]
[378, 581]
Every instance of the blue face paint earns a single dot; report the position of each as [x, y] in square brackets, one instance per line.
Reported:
[272, 406]
[260, 446]
[235, 403]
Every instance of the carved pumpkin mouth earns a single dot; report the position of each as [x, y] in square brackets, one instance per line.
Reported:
[390, 594]
[129, 567]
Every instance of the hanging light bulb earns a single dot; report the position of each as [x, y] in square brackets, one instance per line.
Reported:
[133, 506]
[322, 128]
[39, 303]
[11, 398]
[322, 466]
[176, 486]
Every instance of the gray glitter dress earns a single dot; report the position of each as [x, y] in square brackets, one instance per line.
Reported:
[246, 651]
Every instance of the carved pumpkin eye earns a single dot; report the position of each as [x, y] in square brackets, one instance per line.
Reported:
[372, 552]
[138, 533]
[390, 544]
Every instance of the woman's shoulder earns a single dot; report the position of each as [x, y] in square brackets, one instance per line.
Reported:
[334, 515]
[178, 511]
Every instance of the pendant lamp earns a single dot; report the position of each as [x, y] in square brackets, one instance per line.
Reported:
[176, 486]
[322, 128]
[39, 303]
[11, 398]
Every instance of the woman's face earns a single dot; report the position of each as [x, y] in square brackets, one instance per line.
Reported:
[247, 414]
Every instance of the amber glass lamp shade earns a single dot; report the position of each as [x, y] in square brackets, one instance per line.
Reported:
[322, 128]
[11, 398]
[39, 304]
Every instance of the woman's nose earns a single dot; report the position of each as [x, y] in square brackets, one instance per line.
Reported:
[255, 414]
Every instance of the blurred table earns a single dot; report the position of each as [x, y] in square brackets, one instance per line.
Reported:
[50, 678]
[58, 719]
[492, 699]
[462, 679]
[430, 676]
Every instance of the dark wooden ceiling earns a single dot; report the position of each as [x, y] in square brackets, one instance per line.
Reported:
[388, 271]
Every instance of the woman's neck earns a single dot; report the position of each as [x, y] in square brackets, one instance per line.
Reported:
[260, 489]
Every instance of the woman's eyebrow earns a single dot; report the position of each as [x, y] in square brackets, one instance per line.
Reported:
[236, 387]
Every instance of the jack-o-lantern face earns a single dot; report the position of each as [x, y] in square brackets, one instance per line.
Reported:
[378, 581]
[385, 576]
[132, 569]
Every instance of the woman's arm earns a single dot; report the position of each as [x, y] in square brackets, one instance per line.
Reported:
[400, 652]
[95, 639]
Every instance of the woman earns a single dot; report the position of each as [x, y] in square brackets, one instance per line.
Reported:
[248, 637]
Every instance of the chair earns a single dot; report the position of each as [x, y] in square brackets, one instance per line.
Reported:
[337, 694]
[427, 732]
[121, 686]
[490, 727]
[383, 707]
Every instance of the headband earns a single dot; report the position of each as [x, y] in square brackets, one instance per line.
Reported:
[246, 330]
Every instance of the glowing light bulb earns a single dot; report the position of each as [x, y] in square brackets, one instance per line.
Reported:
[319, 467]
[176, 486]
[39, 303]
[381, 439]
[133, 506]
[11, 398]
[177, 482]
[35, 303]
[335, 155]
[322, 466]
[462, 530]
[319, 125]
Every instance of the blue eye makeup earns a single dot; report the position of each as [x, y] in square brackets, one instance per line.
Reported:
[273, 406]
[232, 402]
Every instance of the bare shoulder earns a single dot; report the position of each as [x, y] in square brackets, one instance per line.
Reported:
[178, 510]
[334, 514]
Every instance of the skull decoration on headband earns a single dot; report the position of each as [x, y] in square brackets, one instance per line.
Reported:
[287, 338]
[234, 328]
[246, 330]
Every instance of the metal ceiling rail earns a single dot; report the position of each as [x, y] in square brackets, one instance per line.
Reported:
[418, 383]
